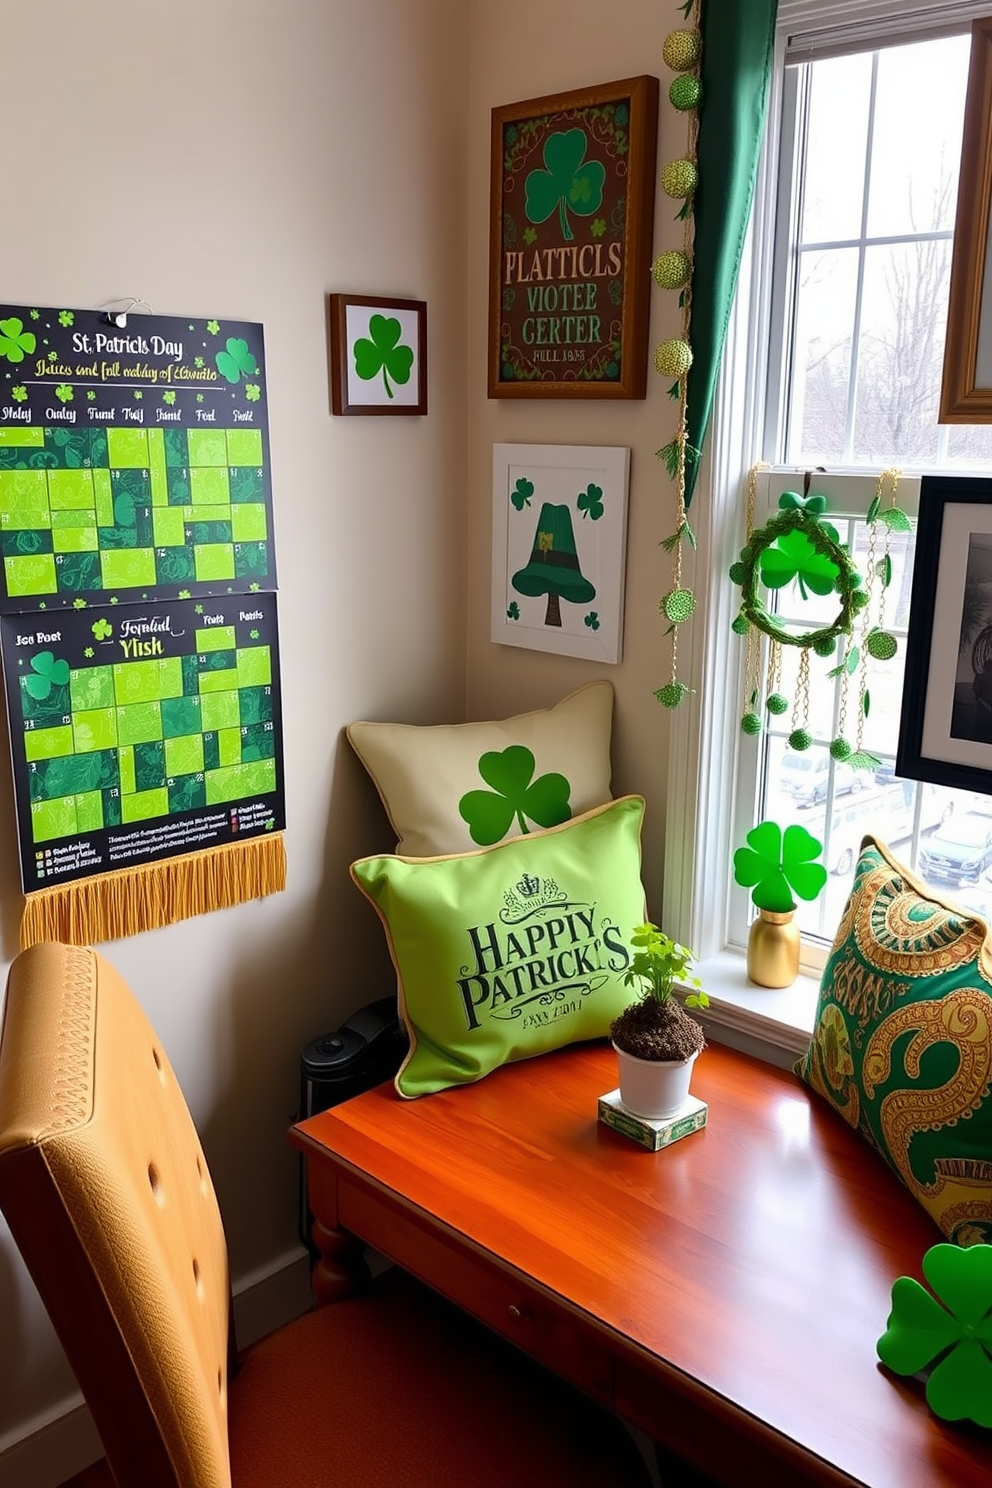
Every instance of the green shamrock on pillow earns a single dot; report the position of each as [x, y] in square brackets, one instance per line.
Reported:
[514, 794]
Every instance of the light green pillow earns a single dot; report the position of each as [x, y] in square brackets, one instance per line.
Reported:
[513, 950]
[450, 787]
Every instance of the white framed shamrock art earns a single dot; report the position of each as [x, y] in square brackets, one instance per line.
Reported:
[378, 355]
[559, 548]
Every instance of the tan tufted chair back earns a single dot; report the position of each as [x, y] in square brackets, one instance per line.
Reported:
[107, 1194]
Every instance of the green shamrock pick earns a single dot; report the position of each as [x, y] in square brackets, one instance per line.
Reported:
[775, 862]
[566, 182]
[45, 674]
[383, 352]
[514, 793]
[954, 1333]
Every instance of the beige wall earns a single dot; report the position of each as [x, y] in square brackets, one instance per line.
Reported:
[241, 158]
[523, 49]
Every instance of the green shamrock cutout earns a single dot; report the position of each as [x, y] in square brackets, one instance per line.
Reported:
[569, 181]
[382, 351]
[237, 359]
[47, 673]
[793, 556]
[522, 492]
[19, 393]
[590, 502]
[15, 341]
[169, 397]
[592, 620]
[64, 392]
[102, 629]
[213, 326]
[252, 392]
[66, 317]
[514, 794]
[774, 862]
[953, 1333]
[513, 610]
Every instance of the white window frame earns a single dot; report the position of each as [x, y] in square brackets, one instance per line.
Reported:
[705, 740]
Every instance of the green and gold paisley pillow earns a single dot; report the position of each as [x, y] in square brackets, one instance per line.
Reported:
[902, 1043]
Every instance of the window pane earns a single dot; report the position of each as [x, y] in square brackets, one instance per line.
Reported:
[822, 354]
[833, 199]
[901, 350]
[915, 150]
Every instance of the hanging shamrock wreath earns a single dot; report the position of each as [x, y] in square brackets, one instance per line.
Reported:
[797, 546]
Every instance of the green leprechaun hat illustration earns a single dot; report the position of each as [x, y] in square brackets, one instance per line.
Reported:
[554, 565]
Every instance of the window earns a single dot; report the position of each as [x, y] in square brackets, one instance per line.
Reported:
[833, 363]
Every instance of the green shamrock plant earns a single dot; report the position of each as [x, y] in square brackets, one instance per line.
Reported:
[951, 1331]
[15, 341]
[383, 351]
[514, 795]
[235, 360]
[102, 629]
[590, 502]
[522, 492]
[46, 673]
[568, 181]
[774, 863]
[793, 556]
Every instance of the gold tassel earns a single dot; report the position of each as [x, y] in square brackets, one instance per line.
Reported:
[129, 900]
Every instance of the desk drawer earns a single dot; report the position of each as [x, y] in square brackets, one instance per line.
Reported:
[485, 1287]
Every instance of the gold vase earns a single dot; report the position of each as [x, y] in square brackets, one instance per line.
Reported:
[773, 949]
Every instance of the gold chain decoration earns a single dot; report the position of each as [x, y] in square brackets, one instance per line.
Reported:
[682, 51]
[798, 546]
[872, 640]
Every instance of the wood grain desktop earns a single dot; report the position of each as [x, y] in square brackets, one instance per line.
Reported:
[724, 1294]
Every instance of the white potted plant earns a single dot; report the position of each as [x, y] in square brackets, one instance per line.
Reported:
[656, 1040]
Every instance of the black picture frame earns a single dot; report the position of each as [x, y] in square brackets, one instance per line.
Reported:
[945, 727]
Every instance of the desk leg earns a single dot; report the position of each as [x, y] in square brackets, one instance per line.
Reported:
[341, 1269]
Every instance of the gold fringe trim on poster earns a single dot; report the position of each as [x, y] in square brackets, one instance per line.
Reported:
[129, 900]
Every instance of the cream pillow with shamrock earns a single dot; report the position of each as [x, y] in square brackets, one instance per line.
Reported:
[448, 788]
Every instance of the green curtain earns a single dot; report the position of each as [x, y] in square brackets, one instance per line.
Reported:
[738, 38]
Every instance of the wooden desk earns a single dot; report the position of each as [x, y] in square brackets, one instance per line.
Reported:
[724, 1294]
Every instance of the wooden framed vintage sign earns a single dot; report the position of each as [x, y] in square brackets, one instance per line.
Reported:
[570, 242]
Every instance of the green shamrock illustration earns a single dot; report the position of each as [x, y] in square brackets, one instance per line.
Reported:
[514, 794]
[237, 359]
[592, 620]
[102, 629]
[169, 397]
[199, 609]
[253, 634]
[35, 314]
[569, 181]
[87, 651]
[513, 612]
[64, 392]
[382, 351]
[793, 556]
[91, 395]
[113, 599]
[66, 317]
[47, 673]
[78, 603]
[522, 492]
[590, 502]
[138, 394]
[53, 356]
[15, 341]
[254, 588]
[213, 326]
[199, 397]
[597, 227]
[530, 235]
[252, 392]
[953, 1333]
[198, 362]
[774, 862]
[19, 393]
